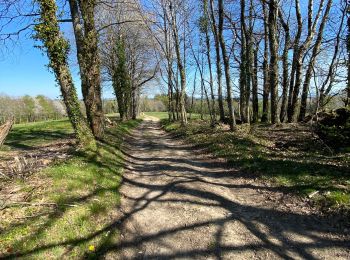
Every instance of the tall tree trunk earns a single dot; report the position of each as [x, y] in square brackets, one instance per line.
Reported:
[285, 66]
[226, 66]
[311, 65]
[324, 90]
[300, 51]
[57, 48]
[243, 72]
[168, 56]
[266, 87]
[294, 62]
[89, 61]
[207, 42]
[273, 12]
[218, 61]
[255, 100]
[250, 61]
[134, 103]
[181, 67]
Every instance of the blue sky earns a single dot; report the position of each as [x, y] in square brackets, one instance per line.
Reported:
[23, 67]
[23, 71]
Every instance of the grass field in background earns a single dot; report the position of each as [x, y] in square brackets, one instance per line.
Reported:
[32, 134]
[70, 207]
[165, 115]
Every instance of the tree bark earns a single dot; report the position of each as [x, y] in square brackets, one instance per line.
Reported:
[273, 11]
[57, 48]
[226, 66]
[244, 77]
[183, 115]
[255, 99]
[218, 61]
[311, 65]
[285, 65]
[89, 62]
[266, 87]
[299, 53]
[295, 61]
[207, 42]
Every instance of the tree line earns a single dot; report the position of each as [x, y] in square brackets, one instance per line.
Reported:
[27, 109]
[246, 61]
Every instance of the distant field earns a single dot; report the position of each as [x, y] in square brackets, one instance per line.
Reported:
[160, 115]
[165, 115]
[33, 134]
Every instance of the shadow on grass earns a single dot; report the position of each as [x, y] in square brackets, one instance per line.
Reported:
[27, 136]
[85, 190]
[192, 171]
[303, 168]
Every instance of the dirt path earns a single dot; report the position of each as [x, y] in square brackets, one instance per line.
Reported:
[179, 203]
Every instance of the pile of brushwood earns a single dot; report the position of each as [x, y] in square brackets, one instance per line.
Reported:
[334, 128]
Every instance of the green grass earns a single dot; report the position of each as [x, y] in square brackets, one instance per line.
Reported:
[164, 115]
[25, 136]
[160, 115]
[301, 171]
[84, 193]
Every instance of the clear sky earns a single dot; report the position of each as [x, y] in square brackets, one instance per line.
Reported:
[24, 71]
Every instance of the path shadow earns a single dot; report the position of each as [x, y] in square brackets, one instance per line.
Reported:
[318, 232]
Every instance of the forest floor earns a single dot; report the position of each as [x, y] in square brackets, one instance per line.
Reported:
[179, 202]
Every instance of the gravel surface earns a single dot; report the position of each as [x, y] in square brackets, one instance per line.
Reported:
[179, 203]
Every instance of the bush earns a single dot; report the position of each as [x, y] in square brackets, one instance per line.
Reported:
[334, 128]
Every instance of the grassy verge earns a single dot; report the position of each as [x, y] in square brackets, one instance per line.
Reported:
[68, 209]
[286, 156]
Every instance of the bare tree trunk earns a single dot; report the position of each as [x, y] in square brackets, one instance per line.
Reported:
[273, 12]
[226, 66]
[89, 61]
[57, 48]
[244, 73]
[295, 61]
[300, 51]
[266, 87]
[255, 100]
[207, 42]
[134, 103]
[324, 90]
[168, 56]
[311, 65]
[181, 67]
[285, 65]
[218, 61]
